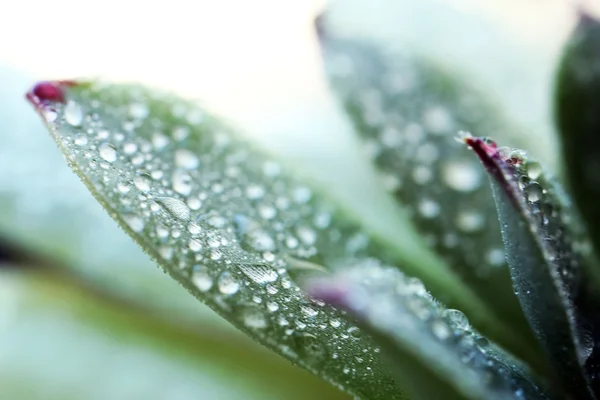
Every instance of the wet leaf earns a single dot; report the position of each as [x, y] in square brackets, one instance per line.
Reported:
[52, 216]
[407, 111]
[221, 218]
[434, 351]
[547, 256]
[577, 101]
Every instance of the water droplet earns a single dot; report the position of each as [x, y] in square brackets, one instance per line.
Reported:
[534, 170]
[174, 207]
[462, 176]
[227, 284]
[80, 140]
[194, 203]
[142, 182]
[160, 141]
[259, 273]
[307, 235]
[470, 221]
[422, 175]
[134, 222]
[130, 148]
[186, 159]
[252, 236]
[182, 182]
[495, 257]
[440, 329]
[194, 229]
[534, 192]
[437, 119]
[138, 110]
[267, 211]
[73, 114]
[107, 152]
[302, 195]
[429, 208]
[272, 306]
[254, 192]
[195, 245]
[253, 317]
[456, 318]
[202, 279]
[309, 311]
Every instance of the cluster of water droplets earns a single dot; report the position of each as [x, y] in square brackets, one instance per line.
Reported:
[402, 309]
[224, 220]
[408, 113]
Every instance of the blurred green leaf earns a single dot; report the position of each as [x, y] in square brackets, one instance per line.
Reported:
[577, 101]
[545, 257]
[407, 111]
[59, 341]
[434, 351]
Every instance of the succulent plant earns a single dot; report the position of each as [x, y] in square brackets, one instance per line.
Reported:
[490, 293]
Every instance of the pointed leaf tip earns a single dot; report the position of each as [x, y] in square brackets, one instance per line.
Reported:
[543, 249]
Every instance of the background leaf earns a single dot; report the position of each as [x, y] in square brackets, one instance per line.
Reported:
[545, 261]
[61, 341]
[407, 110]
[576, 108]
[434, 351]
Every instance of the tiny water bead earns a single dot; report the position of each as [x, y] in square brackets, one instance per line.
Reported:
[534, 192]
[429, 208]
[464, 176]
[174, 207]
[202, 279]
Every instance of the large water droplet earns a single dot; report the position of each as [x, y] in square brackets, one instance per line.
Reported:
[534, 192]
[182, 182]
[174, 207]
[107, 152]
[252, 236]
[470, 221]
[186, 159]
[534, 170]
[142, 182]
[461, 175]
[253, 317]
[429, 208]
[259, 273]
[202, 279]
[227, 284]
[456, 318]
[73, 114]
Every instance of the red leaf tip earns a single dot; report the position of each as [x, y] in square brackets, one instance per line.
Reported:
[48, 92]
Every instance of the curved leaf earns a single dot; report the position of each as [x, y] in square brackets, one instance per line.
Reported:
[577, 101]
[220, 218]
[407, 111]
[434, 351]
[53, 216]
[545, 255]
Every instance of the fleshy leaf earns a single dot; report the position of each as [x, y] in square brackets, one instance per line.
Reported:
[577, 102]
[434, 351]
[407, 111]
[53, 217]
[546, 253]
[226, 222]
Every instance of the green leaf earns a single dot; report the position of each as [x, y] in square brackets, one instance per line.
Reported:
[407, 111]
[53, 217]
[577, 100]
[59, 341]
[220, 218]
[434, 351]
[546, 256]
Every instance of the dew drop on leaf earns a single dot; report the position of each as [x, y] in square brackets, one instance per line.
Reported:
[107, 152]
[227, 283]
[73, 114]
